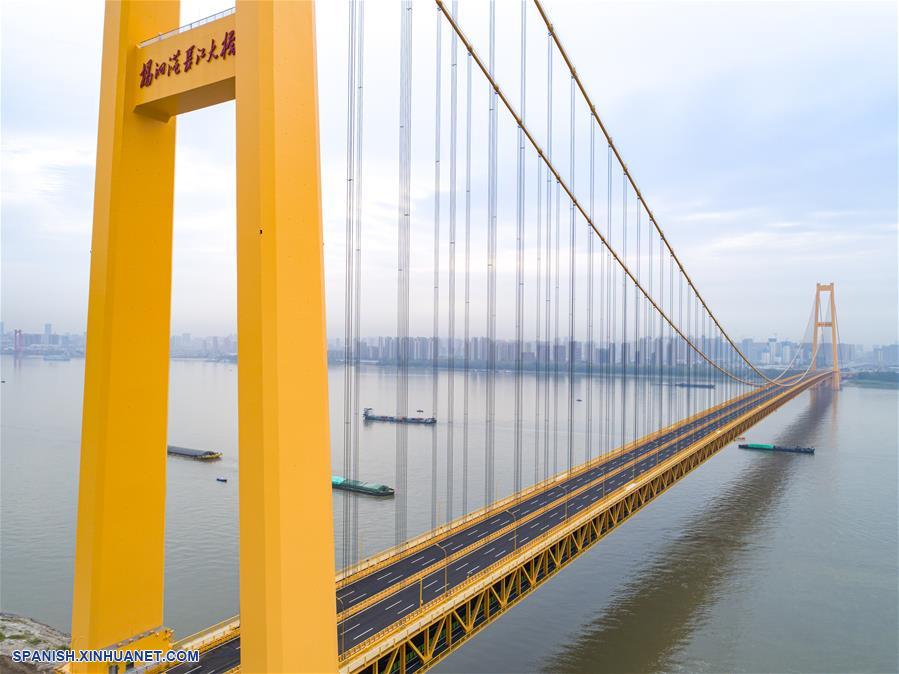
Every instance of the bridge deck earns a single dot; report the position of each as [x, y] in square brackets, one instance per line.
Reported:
[387, 594]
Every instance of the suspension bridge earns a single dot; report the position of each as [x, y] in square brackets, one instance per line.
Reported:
[547, 266]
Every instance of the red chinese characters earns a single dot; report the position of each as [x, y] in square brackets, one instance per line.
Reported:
[193, 57]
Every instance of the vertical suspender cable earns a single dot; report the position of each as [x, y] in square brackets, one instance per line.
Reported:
[537, 348]
[405, 177]
[357, 274]
[550, 348]
[637, 345]
[451, 323]
[588, 442]
[467, 321]
[571, 289]
[349, 285]
[625, 355]
[489, 483]
[637, 350]
[660, 343]
[672, 356]
[611, 333]
[435, 341]
[557, 356]
[519, 280]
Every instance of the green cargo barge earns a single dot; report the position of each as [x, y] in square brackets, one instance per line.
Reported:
[777, 448]
[370, 488]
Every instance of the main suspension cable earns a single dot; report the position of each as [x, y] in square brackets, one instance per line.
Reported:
[561, 183]
[555, 38]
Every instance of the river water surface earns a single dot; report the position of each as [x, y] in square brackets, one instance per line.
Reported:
[755, 562]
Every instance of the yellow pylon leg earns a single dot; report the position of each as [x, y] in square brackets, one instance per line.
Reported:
[118, 583]
[287, 606]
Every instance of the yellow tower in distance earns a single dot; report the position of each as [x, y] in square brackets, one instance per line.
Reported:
[832, 324]
[262, 55]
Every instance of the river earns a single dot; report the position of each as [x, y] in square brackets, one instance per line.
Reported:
[755, 562]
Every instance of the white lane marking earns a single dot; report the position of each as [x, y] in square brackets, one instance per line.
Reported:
[429, 584]
[362, 634]
[389, 573]
[490, 548]
[357, 625]
[405, 609]
[194, 669]
[459, 568]
[473, 569]
[498, 555]
[417, 559]
[347, 594]
[392, 605]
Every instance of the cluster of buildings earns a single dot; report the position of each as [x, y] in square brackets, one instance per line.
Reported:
[214, 348]
[46, 343]
[62, 346]
[645, 351]
[385, 349]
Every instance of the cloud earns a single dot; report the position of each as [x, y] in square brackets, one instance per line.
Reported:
[46, 181]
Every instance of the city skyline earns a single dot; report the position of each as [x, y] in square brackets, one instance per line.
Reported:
[769, 351]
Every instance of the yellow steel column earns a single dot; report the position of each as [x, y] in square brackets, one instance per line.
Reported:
[118, 584]
[835, 381]
[287, 605]
[815, 328]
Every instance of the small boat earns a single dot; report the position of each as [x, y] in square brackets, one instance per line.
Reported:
[221, 479]
[419, 411]
[580, 400]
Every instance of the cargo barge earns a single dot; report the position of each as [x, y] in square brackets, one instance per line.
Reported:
[368, 415]
[370, 488]
[196, 454]
[777, 448]
[685, 384]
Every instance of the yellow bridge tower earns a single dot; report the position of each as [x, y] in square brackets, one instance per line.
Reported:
[263, 55]
[832, 324]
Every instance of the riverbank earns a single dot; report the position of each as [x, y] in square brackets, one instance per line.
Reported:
[17, 633]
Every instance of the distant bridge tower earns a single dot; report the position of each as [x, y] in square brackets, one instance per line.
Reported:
[832, 324]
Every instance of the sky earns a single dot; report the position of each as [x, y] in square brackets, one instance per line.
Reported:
[762, 134]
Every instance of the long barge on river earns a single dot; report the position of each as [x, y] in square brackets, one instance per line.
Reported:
[196, 454]
[368, 415]
[776, 448]
[370, 488]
